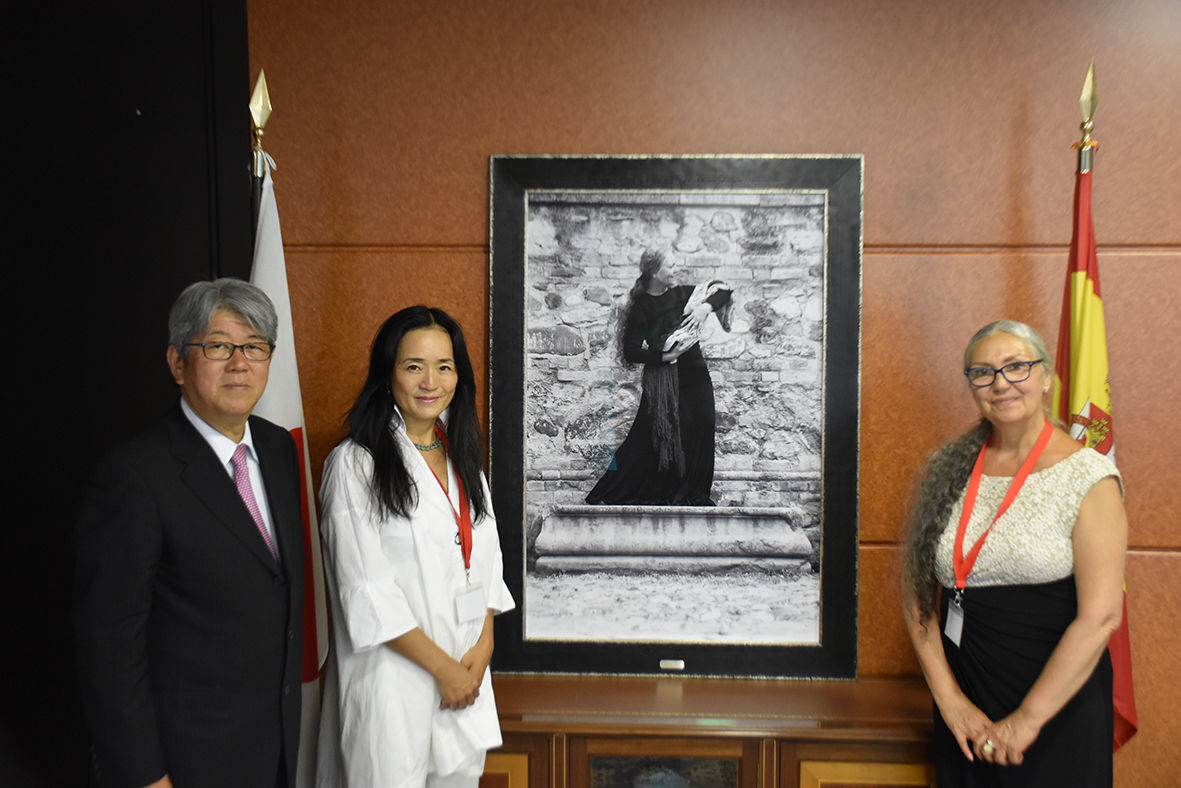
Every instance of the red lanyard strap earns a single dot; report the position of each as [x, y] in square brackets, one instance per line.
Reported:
[463, 518]
[963, 566]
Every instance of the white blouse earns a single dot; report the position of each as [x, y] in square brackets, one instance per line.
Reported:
[381, 724]
[1031, 542]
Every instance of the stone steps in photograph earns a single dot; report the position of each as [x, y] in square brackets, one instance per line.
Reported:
[627, 564]
[652, 537]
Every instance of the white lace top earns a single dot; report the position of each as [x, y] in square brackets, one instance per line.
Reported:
[1031, 543]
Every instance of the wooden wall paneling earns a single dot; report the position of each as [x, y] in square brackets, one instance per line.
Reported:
[1141, 291]
[1153, 756]
[883, 645]
[965, 116]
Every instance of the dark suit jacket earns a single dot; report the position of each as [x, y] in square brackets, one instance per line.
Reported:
[188, 632]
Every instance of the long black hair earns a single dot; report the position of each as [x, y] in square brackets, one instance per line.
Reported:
[369, 420]
[651, 261]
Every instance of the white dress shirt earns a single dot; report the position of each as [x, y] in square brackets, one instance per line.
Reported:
[224, 448]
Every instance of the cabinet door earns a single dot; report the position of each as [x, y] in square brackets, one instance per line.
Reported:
[856, 764]
[605, 762]
[853, 774]
[526, 760]
[505, 770]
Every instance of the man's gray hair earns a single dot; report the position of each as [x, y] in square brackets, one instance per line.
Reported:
[195, 306]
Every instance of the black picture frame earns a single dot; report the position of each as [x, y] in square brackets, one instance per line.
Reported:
[836, 182]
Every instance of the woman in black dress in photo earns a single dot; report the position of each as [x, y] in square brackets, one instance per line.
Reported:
[668, 455]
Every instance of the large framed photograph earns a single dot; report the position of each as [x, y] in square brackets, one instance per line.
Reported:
[674, 381]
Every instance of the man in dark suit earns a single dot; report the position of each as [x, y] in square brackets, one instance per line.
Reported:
[189, 569]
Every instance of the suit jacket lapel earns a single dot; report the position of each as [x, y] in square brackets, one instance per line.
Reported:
[286, 516]
[212, 485]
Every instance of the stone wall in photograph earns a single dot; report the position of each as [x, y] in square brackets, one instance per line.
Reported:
[583, 259]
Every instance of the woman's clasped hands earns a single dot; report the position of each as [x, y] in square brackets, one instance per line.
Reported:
[459, 681]
[1004, 742]
[458, 685]
[966, 722]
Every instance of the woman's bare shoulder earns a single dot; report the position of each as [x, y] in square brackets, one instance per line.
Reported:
[1060, 447]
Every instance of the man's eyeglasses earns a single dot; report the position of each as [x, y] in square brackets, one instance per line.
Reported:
[253, 351]
[1014, 372]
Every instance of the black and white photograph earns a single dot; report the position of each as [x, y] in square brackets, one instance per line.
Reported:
[673, 413]
[673, 416]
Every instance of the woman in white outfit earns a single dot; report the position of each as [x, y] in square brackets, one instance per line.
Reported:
[414, 570]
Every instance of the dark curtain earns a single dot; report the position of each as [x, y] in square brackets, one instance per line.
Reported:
[128, 158]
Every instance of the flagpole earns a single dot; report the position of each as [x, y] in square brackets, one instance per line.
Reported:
[282, 404]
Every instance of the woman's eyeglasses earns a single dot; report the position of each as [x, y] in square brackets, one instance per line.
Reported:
[1014, 372]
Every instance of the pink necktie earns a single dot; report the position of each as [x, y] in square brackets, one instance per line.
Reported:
[242, 482]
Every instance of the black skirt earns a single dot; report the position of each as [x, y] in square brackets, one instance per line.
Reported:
[1009, 633]
[635, 477]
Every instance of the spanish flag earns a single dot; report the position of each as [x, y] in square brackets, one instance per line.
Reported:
[1082, 397]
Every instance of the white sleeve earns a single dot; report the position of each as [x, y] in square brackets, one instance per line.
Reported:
[374, 608]
[499, 597]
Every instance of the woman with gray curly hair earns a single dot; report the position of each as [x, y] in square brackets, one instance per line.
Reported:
[1013, 582]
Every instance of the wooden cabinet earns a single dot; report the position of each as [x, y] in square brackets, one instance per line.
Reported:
[606, 731]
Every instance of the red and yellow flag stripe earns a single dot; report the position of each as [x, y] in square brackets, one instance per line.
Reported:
[1082, 389]
[1082, 402]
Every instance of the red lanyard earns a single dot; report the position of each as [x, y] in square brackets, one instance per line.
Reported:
[964, 565]
[463, 518]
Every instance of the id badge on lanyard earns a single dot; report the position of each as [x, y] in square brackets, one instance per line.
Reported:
[954, 627]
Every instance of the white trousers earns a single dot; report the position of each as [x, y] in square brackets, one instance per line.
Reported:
[466, 776]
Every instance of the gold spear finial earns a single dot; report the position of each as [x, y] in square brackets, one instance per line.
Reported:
[1087, 102]
[260, 103]
[260, 113]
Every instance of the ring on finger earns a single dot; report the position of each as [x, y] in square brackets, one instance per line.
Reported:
[988, 746]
